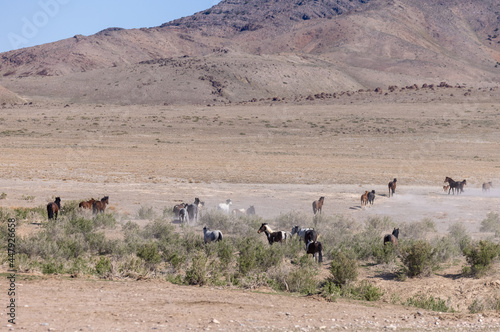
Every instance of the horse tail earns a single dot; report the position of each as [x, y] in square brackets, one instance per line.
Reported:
[50, 211]
[314, 207]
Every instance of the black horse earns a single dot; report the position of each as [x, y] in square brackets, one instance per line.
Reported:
[313, 248]
[371, 197]
[392, 187]
[393, 238]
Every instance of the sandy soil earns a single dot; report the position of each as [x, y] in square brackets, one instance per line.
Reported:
[278, 158]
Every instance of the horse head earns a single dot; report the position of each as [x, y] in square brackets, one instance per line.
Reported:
[295, 230]
[395, 232]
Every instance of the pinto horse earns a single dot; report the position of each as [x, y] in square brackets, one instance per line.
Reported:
[364, 198]
[87, 204]
[209, 236]
[392, 187]
[100, 206]
[487, 186]
[318, 205]
[313, 248]
[177, 209]
[278, 236]
[393, 238]
[53, 208]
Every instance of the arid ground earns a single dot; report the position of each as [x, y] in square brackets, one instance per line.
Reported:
[277, 156]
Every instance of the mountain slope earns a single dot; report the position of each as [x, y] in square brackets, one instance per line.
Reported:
[350, 44]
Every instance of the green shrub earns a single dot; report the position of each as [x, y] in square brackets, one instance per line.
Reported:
[418, 258]
[103, 266]
[150, 254]
[484, 304]
[146, 213]
[417, 230]
[365, 291]
[197, 274]
[429, 303]
[52, 267]
[458, 233]
[343, 269]
[491, 224]
[480, 258]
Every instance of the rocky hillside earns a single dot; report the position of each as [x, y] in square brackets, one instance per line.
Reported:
[248, 49]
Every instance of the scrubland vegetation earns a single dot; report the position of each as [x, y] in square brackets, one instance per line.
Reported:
[79, 244]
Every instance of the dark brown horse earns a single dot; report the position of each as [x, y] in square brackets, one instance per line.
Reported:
[392, 187]
[313, 248]
[460, 186]
[53, 208]
[393, 238]
[453, 185]
[87, 204]
[100, 206]
[487, 186]
[318, 205]
[272, 237]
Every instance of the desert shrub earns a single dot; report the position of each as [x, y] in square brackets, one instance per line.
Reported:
[288, 220]
[418, 258]
[384, 253]
[338, 234]
[344, 268]
[484, 304]
[364, 291]
[480, 258]
[197, 274]
[458, 233]
[150, 254]
[256, 256]
[52, 267]
[445, 248]
[157, 229]
[104, 220]
[417, 230]
[429, 303]
[296, 279]
[146, 213]
[103, 266]
[216, 219]
[491, 224]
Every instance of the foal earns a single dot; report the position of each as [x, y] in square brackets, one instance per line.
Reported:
[392, 238]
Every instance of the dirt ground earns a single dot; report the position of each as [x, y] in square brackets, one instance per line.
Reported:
[277, 157]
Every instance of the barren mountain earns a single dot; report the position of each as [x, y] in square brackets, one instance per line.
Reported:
[240, 50]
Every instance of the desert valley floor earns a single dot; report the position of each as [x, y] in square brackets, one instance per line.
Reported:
[276, 156]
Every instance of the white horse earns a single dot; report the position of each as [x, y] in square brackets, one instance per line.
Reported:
[209, 236]
[225, 206]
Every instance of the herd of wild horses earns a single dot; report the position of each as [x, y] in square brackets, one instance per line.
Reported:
[185, 212]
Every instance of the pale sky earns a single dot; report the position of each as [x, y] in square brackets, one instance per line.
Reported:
[25, 23]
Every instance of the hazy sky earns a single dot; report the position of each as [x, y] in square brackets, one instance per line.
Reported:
[26, 23]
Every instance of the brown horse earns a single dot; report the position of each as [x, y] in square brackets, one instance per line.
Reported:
[318, 205]
[279, 236]
[364, 198]
[393, 238]
[53, 208]
[392, 187]
[87, 204]
[100, 206]
[460, 186]
[487, 186]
